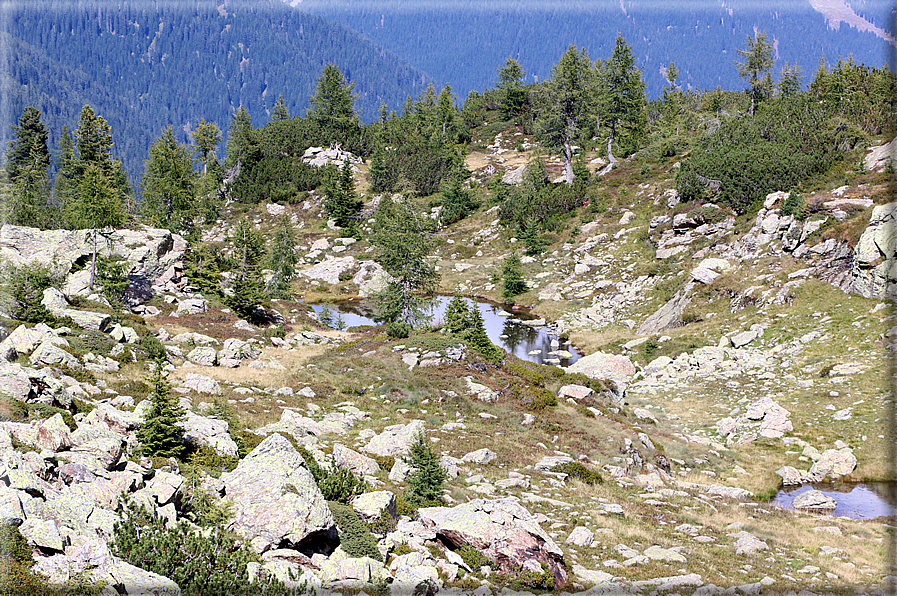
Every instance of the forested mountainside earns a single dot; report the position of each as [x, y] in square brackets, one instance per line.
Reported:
[700, 37]
[145, 65]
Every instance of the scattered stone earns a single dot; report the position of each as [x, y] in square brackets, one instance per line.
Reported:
[814, 500]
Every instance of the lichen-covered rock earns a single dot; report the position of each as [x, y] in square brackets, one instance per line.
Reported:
[832, 464]
[275, 499]
[203, 356]
[236, 349]
[370, 506]
[200, 430]
[790, 476]
[503, 530]
[53, 434]
[352, 460]
[202, 384]
[55, 302]
[192, 306]
[604, 366]
[814, 500]
[395, 439]
[51, 355]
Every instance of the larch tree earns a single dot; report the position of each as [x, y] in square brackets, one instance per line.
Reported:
[96, 206]
[168, 183]
[566, 104]
[283, 260]
[510, 83]
[280, 111]
[93, 137]
[402, 238]
[755, 68]
[240, 138]
[621, 96]
[65, 187]
[790, 80]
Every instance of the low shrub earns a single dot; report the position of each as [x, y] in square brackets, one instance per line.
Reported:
[88, 340]
[23, 289]
[355, 537]
[336, 484]
[384, 524]
[153, 347]
[535, 580]
[472, 557]
[206, 563]
[575, 469]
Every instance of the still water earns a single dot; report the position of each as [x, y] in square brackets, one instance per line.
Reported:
[865, 500]
[504, 327]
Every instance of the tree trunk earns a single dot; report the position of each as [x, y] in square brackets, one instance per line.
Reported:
[610, 148]
[93, 262]
[568, 161]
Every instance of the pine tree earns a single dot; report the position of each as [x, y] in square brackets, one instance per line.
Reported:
[160, 435]
[207, 136]
[755, 69]
[283, 260]
[457, 202]
[446, 112]
[621, 94]
[513, 283]
[567, 104]
[425, 482]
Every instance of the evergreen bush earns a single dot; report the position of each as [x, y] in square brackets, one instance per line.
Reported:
[23, 289]
[425, 482]
[160, 434]
[355, 537]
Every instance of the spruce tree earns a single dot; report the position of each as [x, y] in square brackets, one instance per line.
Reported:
[340, 201]
[283, 260]
[246, 282]
[94, 141]
[160, 435]
[380, 175]
[333, 99]
[425, 482]
[28, 148]
[240, 138]
[68, 170]
[457, 315]
[457, 202]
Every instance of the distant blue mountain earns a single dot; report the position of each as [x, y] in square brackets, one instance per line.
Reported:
[465, 42]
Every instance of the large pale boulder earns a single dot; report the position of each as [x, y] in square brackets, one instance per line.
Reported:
[601, 365]
[503, 530]
[203, 356]
[237, 349]
[329, 269]
[360, 464]
[832, 464]
[52, 434]
[92, 559]
[814, 500]
[48, 354]
[55, 302]
[395, 439]
[200, 430]
[370, 506]
[33, 386]
[275, 500]
[669, 315]
[873, 272]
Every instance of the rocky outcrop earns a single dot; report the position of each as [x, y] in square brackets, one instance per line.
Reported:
[669, 315]
[395, 439]
[55, 302]
[503, 530]
[275, 499]
[153, 255]
[873, 273]
[604, 366]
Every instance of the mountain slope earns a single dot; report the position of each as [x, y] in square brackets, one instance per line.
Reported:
[700, 37]
[144, 66]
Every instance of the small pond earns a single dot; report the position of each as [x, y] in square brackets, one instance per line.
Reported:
[504, 327]
[865, 500]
